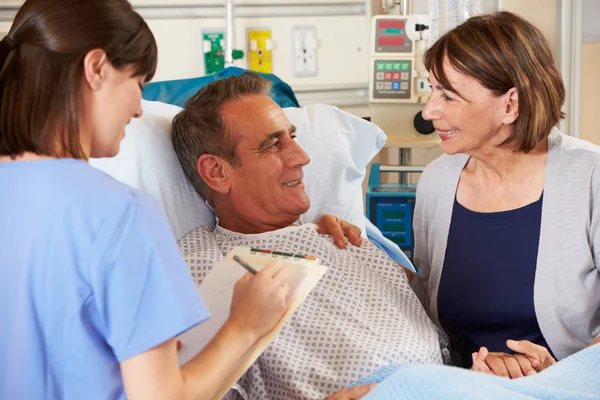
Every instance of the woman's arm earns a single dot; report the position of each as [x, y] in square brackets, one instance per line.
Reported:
[155, 374]
[258, 304]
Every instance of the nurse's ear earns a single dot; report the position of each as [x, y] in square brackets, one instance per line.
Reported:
[95, 69]
[215, 172]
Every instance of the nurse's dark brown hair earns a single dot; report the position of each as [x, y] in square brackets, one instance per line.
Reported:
[41, 69]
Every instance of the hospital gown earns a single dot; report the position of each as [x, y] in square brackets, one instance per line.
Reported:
[360, 317]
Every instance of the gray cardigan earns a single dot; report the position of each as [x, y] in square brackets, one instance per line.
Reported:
[567, 278]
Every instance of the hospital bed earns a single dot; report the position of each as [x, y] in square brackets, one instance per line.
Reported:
[339, 144]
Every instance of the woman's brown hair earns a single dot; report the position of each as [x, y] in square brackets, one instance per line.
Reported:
[41, 68]
[502, 51]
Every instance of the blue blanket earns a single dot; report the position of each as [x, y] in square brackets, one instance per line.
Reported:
[575, 377]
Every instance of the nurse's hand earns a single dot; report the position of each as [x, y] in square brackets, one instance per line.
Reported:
[339, 230]
[351, 394]
[259, 301]
[529, 359]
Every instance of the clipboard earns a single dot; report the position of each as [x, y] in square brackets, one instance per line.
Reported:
[217, 292]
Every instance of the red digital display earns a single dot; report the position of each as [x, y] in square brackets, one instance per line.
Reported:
[391, 23]
[390, 40]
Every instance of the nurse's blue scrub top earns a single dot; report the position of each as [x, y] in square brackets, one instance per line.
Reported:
[90, 275]
[486, 288]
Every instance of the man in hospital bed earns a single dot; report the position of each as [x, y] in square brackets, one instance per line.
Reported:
[237, 148]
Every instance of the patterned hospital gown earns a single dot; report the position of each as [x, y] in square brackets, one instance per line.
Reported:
[362, 316]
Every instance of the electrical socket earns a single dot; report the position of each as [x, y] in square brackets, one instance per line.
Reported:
[304, 49]
[260, 48]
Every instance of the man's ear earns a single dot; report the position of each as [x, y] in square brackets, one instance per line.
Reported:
[215, 172]
[95, 68]
[511, 106]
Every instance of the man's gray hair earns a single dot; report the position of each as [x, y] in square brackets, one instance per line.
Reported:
[200, 129]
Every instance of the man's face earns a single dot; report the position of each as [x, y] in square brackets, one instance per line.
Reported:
[267, 189]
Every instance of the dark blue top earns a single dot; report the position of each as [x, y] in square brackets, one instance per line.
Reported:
[486, 290]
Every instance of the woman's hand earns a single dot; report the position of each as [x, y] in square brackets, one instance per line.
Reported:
[529, 359]
[339, 230]
[259, 301]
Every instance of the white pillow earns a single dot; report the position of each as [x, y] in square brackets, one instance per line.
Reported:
[339, 144]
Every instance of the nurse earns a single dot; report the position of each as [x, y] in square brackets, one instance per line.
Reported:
[93, 288]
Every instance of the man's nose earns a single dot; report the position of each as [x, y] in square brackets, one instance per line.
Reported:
[296, 156]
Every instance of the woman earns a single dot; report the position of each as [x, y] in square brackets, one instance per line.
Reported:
[93, 288]
[506, 222]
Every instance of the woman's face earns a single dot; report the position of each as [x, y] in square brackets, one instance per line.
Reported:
[116, 101]
[474, 121]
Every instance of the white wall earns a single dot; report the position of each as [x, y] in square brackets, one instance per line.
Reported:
[342, 28]
[341, 55]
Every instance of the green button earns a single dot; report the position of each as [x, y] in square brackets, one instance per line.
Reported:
[389, 66]
[380, 66]
[397, 66]
[405, 66]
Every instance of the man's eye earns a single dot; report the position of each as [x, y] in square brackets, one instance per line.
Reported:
[293, 136]
[447, 98]
[275, 145]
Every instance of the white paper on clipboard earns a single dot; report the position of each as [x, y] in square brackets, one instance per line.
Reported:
[217, 293]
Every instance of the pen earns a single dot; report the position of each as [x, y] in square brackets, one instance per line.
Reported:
[245, 265]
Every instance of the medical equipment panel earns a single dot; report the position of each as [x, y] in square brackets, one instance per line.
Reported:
[392, 79]
[390, 36]
[395, 58]
[390, 207]
[398, 85]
